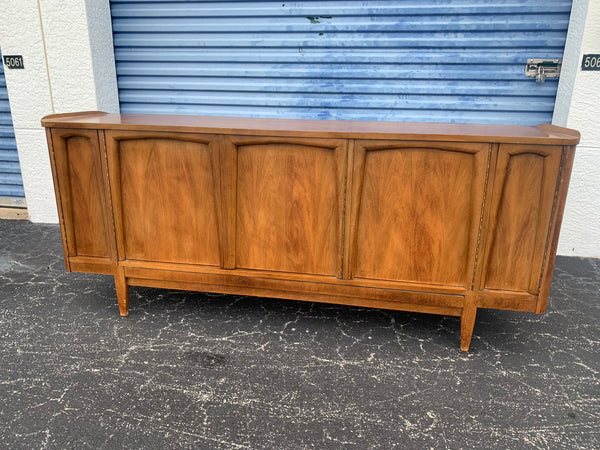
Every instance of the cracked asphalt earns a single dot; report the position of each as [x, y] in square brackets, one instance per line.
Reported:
[197, 370]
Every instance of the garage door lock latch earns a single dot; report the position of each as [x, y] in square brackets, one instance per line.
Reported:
[540, 69]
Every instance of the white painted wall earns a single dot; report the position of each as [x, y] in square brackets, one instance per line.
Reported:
[69, 66]
[578, 107]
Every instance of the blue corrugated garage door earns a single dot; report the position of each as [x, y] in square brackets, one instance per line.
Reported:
[413, 60]
[11, 184]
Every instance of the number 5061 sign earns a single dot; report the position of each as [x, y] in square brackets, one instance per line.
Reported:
[14, 61]
[590, 62]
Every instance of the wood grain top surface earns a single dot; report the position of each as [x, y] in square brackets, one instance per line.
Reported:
[540, 134]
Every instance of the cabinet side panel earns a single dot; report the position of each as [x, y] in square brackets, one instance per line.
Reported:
[522, 205]
[419, 212]
[169, 211]
[559, 207]
[80, 179]
[288, 197]
[57, 193]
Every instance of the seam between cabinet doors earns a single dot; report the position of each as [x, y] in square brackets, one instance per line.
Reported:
[482, 216]
[109, 194]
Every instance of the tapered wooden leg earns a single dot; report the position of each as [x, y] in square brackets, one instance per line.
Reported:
[122, 292]
[467, 322]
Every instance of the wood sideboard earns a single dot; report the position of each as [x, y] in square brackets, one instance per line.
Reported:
[433, 218]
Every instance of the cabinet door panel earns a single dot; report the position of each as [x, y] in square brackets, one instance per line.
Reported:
[522, 201]
[165, 193]
[289, 202]
[417, 209]
[80, 181]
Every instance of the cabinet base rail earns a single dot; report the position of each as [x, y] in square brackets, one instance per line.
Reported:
[466, 313]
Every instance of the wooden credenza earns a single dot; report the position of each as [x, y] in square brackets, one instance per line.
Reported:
[435, 218]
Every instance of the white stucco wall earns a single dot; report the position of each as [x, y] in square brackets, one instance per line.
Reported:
[578, 107]
[69, 66]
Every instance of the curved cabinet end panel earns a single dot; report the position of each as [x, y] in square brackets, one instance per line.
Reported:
[81, 192]
[522, 205]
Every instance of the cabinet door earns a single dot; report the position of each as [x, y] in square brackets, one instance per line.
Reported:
[80, 181]
[286, 199]
[416, 209]
[165, 192]
[521, 208]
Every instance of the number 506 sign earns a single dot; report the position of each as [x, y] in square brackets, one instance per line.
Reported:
[590, 62]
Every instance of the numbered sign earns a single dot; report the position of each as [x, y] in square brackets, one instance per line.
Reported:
[14, 61]
[590, 62]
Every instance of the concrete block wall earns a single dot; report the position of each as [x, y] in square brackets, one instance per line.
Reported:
[69, 66]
